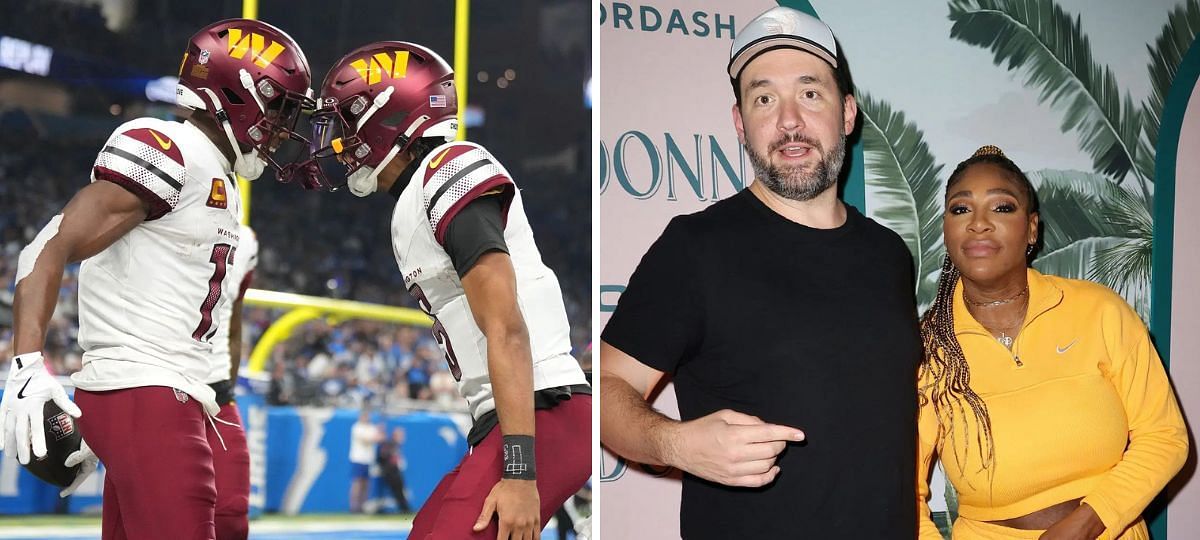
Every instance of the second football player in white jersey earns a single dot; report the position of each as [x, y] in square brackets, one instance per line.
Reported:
[231, 455]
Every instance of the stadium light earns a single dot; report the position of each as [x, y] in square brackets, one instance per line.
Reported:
[162, 89]
[21, 55]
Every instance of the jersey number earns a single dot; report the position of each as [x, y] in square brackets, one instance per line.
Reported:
[439, 331]
[222, 258]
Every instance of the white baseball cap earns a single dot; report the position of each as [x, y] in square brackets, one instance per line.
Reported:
[781, 27]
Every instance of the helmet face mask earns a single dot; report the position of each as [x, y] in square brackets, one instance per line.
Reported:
[278, 123]
[374, 103]
[280, 115]
[333, 136]
[252, 79]
[329, 140]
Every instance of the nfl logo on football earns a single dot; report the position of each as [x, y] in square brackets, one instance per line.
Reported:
[60, 426]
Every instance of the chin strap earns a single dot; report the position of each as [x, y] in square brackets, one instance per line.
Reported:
[365, 180]
[243, 164]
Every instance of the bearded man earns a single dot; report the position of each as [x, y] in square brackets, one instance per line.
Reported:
[786, 319]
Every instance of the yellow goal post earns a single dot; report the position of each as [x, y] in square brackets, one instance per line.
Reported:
[302, 309]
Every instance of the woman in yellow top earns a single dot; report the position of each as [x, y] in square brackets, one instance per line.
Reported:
[1043, 396]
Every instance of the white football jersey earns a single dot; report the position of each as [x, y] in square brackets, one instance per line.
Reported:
[449, 177]
[149, 303]
[244, 262]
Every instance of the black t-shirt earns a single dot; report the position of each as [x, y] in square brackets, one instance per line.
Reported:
[809, 328]
[477, 229]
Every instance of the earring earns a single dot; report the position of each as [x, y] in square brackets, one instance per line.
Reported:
[1029, 250]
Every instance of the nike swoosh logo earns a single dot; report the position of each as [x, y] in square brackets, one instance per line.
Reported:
[438, 160]
[1069, 345]
[21, 392]
[166, 145]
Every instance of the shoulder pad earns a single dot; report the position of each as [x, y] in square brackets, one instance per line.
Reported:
[146, 161]
[455, 174]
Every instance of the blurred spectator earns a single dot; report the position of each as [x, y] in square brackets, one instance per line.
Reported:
[421, 371]
[363, 438]
[392, 465]
[283, 385]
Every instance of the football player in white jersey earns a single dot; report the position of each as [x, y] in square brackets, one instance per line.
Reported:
[232, 465]
[464, 246]
[158, 228]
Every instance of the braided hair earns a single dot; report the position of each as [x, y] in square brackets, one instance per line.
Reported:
[944, 365]
[945, 368]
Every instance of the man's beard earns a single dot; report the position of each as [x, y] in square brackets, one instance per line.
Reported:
[794, 182]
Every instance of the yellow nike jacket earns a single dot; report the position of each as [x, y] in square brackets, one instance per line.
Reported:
[1081, 407]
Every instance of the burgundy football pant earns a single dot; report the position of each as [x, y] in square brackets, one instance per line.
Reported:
[232, 464]
[159, 479]
[564, 462]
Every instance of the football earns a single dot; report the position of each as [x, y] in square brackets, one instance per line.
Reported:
[62, 438]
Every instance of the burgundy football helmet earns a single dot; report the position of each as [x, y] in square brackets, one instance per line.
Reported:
[374, 103]
[253, 79]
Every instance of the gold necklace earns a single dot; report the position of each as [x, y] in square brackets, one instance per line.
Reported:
[1004, 339]
[996, 302]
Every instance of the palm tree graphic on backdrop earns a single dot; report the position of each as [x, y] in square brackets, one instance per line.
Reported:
[1097, 224]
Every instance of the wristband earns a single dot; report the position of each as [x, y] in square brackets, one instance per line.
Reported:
[519, 463]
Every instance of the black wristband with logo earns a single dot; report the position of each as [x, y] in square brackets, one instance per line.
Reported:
[519, 462]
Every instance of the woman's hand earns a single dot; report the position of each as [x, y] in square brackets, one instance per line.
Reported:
[1082, 524]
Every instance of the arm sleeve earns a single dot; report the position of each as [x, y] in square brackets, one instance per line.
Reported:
[145, 162]
[1158, 443]
[658, 319]
[928, 432]
[477, 229]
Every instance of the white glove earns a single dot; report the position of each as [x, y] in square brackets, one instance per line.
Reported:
[87, 465]
[28, 389]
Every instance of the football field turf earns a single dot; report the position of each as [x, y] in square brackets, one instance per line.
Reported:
[270, 527]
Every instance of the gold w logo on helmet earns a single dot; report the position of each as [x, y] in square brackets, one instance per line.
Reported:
[371, 69]
[255, 43]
